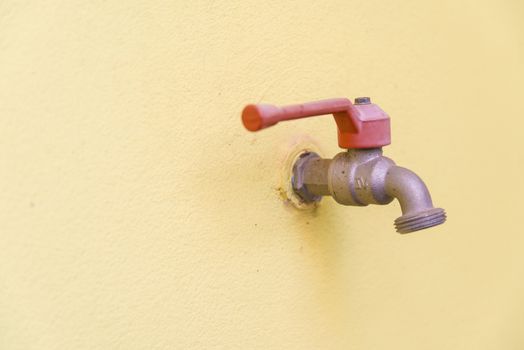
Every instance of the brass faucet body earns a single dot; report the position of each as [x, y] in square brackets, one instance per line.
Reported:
[360, 177]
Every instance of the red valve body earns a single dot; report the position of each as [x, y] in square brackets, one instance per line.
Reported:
[359, 126]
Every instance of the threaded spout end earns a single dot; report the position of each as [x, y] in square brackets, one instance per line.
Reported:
[419, 221]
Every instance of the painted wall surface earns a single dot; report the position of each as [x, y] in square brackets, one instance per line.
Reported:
[137, 213]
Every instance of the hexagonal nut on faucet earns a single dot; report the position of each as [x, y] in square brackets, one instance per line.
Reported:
[298, 178]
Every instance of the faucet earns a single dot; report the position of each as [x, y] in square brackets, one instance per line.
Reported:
[361, 175]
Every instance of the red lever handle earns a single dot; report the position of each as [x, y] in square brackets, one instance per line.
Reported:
[359, 126]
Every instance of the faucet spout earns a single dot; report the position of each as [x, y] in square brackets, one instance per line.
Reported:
[415, 201]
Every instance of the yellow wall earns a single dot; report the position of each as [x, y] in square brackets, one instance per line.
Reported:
[137, 213]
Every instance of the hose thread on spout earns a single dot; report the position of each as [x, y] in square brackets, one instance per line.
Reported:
[419, 221]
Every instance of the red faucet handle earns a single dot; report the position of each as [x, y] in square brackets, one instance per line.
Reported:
[363, 125]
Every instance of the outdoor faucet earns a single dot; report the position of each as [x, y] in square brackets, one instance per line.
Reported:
[361, 175]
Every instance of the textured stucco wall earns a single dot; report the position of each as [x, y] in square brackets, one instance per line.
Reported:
[136, 213]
